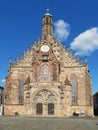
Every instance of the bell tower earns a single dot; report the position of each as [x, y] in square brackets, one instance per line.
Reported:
[47, 26]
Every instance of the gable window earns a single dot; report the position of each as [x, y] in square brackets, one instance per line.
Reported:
[45, 73]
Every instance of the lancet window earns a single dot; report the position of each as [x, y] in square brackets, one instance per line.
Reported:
[74, 88]
[21, 91]
[45, 73]
[54, 73]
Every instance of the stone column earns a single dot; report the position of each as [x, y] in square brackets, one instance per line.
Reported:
[68, 100]
[45, 109]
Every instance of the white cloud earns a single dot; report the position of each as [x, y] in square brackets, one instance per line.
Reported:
[61, 30]
[86, 42]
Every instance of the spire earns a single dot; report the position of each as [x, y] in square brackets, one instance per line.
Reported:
[47, 25]
[10, 60]
[86, 60]
[86, 64]
[10, 65]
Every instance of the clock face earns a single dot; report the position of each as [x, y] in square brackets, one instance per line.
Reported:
[45, 48]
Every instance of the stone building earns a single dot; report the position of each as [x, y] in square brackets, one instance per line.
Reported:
[48, 79]
[1, 100]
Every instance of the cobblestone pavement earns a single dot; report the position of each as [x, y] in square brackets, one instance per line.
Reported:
[49, 123]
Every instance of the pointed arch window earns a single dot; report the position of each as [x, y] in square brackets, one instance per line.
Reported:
[74, 88]
[45, 73]
[54, 73]
[21, 91]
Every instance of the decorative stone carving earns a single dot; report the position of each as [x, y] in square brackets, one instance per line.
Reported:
[45, 96]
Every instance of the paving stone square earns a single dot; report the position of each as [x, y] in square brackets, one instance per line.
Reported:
[48, 123]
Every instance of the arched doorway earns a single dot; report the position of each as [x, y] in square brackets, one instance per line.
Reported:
[45, 102]
[39, 108]
[50, 108]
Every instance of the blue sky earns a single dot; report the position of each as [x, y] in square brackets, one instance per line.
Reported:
[21, 23]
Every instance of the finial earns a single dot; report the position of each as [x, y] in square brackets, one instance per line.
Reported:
[10, 60]
[86, 60]
[10, 65]
[47, 10]
[47, 13]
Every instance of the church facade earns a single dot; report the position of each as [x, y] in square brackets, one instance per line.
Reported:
[48, 80]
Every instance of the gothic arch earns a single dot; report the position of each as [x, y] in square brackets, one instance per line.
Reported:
[73, 76]
[40, 93]
[45, 73]
[48, 64]
[74, 83]
[45, 96]
[44, 102]
[21, 90]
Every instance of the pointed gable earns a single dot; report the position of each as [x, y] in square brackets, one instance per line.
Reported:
[27, 80]
[67, 82]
